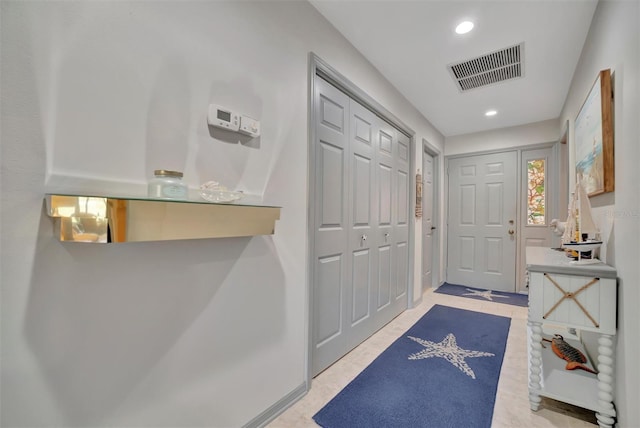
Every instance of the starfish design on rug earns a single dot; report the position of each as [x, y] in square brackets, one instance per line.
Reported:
[449, 350]
[485, 294]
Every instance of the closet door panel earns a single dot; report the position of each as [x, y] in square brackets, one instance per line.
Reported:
[360, 197]
[331, 260]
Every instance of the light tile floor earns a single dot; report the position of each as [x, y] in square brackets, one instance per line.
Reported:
[512, 400]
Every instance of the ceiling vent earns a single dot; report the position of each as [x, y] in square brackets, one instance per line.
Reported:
[489, 69]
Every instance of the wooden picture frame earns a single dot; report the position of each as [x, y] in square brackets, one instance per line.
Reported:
[418, 195]
[593, 132]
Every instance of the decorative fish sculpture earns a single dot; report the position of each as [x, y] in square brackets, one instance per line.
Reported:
[575, 359]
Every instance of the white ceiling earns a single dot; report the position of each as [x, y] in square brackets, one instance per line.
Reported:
[412, 42]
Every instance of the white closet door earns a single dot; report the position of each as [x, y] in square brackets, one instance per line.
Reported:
[401, 215]
[331, 280]
[361, 207]
[362, 224]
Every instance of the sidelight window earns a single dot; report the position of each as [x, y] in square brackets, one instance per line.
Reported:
[536, 196]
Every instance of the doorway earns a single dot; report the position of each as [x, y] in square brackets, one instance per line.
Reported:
[482, 218]
[430, 210]
[498, 204]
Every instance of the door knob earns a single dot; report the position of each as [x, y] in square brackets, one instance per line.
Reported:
[511, 231]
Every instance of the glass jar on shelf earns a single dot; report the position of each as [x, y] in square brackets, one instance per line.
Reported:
[167, 185]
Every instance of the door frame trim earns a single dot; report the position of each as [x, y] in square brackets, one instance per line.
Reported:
[318, 67]
[436, 279]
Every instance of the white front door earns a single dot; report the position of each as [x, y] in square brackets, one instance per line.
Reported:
[482, 221]
[427, 221]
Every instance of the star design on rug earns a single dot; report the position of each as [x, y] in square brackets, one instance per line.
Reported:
[449, 350]
[485, 294]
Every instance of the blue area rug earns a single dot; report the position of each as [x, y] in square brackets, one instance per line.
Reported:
[514, 299]
[443, 372]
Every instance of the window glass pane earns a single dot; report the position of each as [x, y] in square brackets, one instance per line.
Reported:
[536, 195]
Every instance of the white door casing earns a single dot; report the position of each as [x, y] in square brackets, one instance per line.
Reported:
[481, 250]
[427, 220]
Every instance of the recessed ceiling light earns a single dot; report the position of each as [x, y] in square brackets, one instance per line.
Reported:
[491, 113]
[464, 27]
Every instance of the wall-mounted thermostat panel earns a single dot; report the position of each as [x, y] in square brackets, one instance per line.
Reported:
[223, 118]
[249, 126]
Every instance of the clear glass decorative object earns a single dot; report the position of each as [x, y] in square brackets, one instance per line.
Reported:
[212, 191]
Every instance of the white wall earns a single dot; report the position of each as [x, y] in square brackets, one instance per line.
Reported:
[614, 42]
[503, 138]
[186, 333]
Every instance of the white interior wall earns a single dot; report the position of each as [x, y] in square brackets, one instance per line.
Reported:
[95, 95]
[614, 42]
[139, 334]
[503, 138]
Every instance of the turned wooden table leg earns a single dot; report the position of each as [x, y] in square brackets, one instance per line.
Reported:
[605, 380]
[535, 366]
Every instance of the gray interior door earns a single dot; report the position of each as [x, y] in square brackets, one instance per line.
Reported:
[427, 221]
[482, 218]
[331, 222]
[360, 200]
[392, 216]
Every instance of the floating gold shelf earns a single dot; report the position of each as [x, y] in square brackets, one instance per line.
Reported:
[100, 219]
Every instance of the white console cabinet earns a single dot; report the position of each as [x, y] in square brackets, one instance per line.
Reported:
[568, 299]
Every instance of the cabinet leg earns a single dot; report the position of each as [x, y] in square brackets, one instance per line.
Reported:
[605, 421]
[535, 365]
[605, 379]
[534, 401]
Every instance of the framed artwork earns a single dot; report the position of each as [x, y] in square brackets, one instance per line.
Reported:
[594, 138]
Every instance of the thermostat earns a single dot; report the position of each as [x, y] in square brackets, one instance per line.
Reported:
[223, 118]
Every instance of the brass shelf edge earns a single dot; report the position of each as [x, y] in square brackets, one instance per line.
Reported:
[101, 219]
